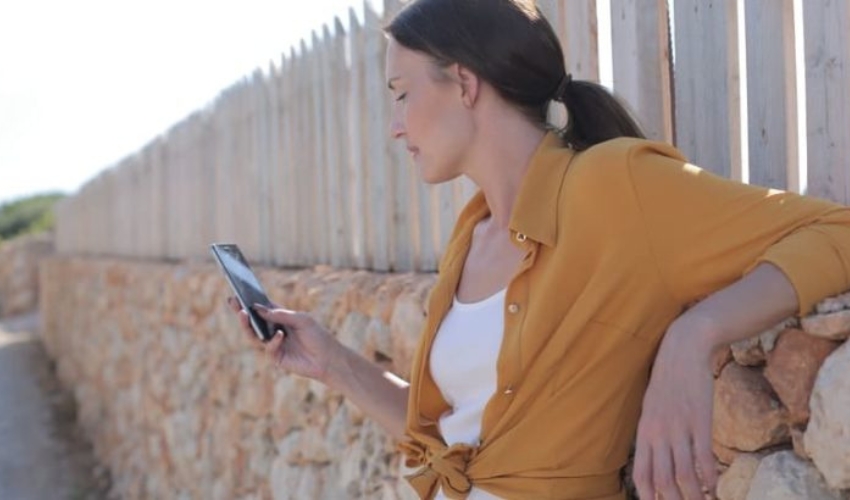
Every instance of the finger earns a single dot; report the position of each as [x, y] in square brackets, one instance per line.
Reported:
[273, 346]
[663, 475]
[642, 470]
[281, 316]
[685, 473]
[275, 349]
[247, 329]
[233, 304]
[242, 315]
[704, 458]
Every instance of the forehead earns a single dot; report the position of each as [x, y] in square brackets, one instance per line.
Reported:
[402, 62]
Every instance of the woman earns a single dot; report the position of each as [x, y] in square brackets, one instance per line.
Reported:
[588, 256]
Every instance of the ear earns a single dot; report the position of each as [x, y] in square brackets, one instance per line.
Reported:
[470, 84]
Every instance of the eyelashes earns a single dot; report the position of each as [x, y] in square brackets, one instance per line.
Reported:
[401, 97]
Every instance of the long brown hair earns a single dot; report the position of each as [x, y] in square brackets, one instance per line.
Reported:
[511, 45]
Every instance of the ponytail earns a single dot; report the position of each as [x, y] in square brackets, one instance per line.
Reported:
[594, 114]
[526, 69]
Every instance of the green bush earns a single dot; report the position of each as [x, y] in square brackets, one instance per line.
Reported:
[28, 215]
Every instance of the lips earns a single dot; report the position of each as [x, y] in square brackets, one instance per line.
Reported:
[412, 150]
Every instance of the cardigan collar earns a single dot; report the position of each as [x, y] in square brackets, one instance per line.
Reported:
[535, 210]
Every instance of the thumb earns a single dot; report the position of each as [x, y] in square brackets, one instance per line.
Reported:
[277, 315]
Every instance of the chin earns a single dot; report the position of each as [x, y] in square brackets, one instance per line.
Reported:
[435, 178]
[429, 179]
[435, 175]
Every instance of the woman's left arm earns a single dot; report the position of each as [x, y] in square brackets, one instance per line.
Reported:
[673, 449]
[749, 257]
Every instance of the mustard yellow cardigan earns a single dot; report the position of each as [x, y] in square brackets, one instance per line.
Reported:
[618, 239]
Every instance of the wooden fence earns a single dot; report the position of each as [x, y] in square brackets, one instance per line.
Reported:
[295, 163]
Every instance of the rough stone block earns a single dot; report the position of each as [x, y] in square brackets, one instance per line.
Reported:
[785, 476]
[748, 352]
[834, 326]
[827, 437]
[833, 304]
[734, 483]
[747, 417]
[792, 367]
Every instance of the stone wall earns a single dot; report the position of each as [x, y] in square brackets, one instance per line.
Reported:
[782, 410]
[19, 260]
[179, 406]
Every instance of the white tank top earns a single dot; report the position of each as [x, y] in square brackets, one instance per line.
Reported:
[463, 365]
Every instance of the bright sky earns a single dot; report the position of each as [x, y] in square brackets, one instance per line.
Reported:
[84, 83]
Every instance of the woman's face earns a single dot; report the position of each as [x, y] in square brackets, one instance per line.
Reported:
[428, 113]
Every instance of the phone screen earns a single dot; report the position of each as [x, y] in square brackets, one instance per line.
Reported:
[245, 284]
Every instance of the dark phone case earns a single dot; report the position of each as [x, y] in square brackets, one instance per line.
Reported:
[267, 330]
[224, 252]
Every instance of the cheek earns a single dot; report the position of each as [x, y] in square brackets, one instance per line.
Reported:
[434, 116]
[454, 128]
[418, 114]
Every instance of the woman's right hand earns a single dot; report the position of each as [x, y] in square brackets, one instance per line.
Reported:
[311, 351]
[307, 350]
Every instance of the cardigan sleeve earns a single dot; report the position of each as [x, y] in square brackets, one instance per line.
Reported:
[707, 231]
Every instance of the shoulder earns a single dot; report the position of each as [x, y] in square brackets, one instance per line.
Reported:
[603, 177]
[623, 151]
[615, 162]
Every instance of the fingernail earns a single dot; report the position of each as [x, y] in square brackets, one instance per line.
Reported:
[260, 308]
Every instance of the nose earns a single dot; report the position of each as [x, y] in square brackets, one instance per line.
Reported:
[396, 126]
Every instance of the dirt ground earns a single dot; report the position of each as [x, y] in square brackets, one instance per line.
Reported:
[43, 453]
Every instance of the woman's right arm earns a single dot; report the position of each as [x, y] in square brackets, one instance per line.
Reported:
[378, 393]
[311, 351]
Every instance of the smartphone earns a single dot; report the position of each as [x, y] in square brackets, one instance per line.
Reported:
[246, 287]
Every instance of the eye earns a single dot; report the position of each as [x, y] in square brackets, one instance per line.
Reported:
[401, 97]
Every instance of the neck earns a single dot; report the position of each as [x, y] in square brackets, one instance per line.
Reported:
[499, 165]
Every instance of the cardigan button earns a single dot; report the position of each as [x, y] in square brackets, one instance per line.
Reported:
[508, 391]
[520, 237]
[513, 308]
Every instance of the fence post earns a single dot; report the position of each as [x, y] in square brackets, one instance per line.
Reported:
[641, 63]
[772, 94]
[277, 155]
[357, 111]
[378, 193]
[303, 164]
[575, 23]
[402, 192]
[287, 177]
[223, 142]
[707, 85]
[827, 29]
[262, 163]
